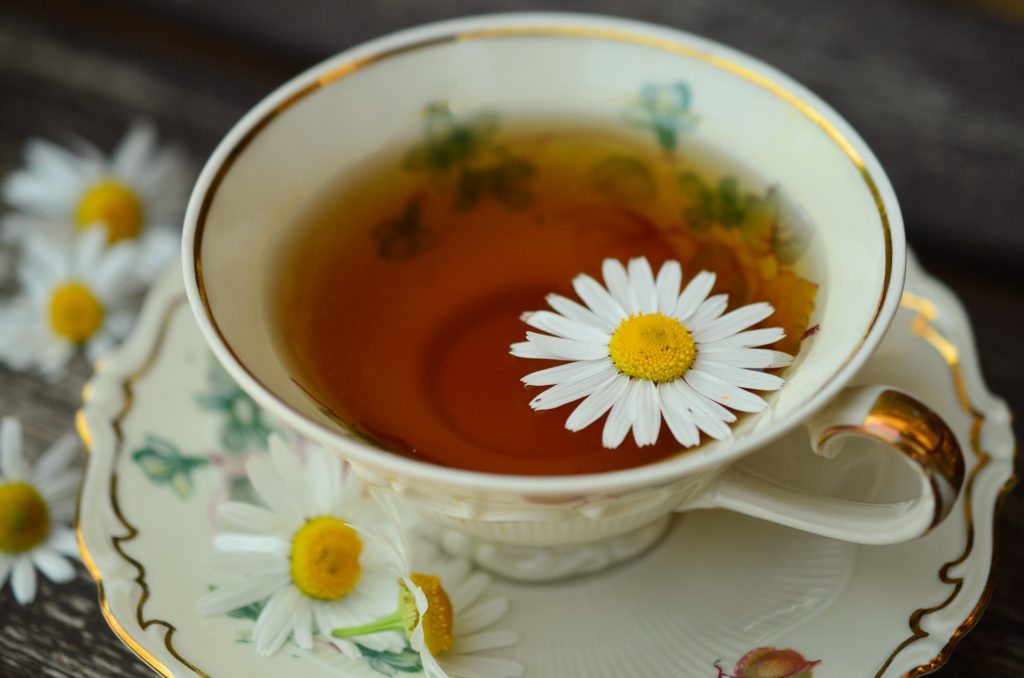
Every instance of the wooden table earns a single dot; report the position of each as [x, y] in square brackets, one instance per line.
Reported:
[936, 89]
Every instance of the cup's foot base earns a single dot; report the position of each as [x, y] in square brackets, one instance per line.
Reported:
[549, 563]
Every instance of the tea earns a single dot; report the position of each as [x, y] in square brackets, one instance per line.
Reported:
[400, 287]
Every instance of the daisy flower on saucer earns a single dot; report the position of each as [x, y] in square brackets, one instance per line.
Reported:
[36, 504]
[644, 348]
[445, 616]
[73, 295]
[138, 193]
[305, 556]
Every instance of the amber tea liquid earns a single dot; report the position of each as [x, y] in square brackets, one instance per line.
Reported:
[400, 288]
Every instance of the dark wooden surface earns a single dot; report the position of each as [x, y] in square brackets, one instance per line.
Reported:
[937, 89]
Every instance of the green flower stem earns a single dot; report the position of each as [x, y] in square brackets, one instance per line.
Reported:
[392, 622]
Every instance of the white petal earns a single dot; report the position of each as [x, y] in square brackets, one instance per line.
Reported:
[669, 278]
[54, 360]
[325, 624]
[55, 566]
[165, 179]
[708, 415]
[694, 294]
[641, 282]
[733, 322]
[678, 416]
[486, 640]
[56, 488]
[469, 589]
[275, 622]
[708, 311]
[89, 252]
[761, 337]
[245, 591]
[12, 464]
[61, 510]
[738, 376]
[599, 300]
[578, 312]
[617, 282]
[568, 372]
[647, 420]
[268, 485]
[724, 392]
[561, 394]
[63, 540]
[303, 624]
[620, 419]
[527, 349]
[57, 458]
[242, 516]
[481, 616]
[290, 470]
[113, 276]
[23, 580]
[249, 563]
[598, 402]
[157, 248]
[568, 349]
[354, 504]
[552, 323]
[754, 358]
[323, 474]
[431, 669]
[132, 153]
[229, 541]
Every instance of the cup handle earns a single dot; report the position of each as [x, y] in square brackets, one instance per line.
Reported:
[880, 413]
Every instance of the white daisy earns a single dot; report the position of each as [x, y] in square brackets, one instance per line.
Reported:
[305, 555]
[138, 193]
[447, 630]
[35, 506]
[77, 296]
[644, 351]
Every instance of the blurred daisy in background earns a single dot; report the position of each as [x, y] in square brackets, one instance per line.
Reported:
[445, 616]
[36, 504]
[641, 350]
[137, 194]
[79, 295]
[306, 558]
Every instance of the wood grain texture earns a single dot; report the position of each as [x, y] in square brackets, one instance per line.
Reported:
[936, 89]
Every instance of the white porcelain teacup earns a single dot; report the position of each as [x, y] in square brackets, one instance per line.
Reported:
[351, 105]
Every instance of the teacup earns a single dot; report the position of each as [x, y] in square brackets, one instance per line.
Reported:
[344, 109]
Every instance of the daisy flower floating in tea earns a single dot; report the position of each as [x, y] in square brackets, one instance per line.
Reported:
[305, 559]
[137, 194]
[446, 626]
[36, 503]
[641, 350]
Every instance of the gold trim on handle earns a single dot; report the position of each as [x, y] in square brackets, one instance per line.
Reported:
[906, 424]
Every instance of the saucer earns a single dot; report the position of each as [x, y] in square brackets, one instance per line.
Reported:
[169, 433]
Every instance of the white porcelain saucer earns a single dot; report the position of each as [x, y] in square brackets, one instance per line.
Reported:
[169, 434]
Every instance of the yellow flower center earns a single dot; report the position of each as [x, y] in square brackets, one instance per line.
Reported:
[652, 346]
[24, 518]
[114, 205]
[325, 558]
[437, 622]
[75, 312]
